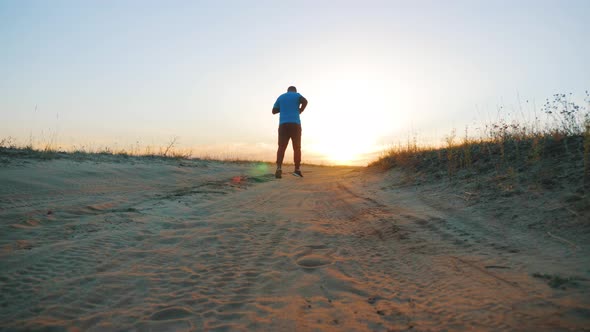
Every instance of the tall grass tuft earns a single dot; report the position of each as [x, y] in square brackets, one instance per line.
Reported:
[587, 154]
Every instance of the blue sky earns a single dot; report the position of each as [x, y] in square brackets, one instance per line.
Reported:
[120, 72]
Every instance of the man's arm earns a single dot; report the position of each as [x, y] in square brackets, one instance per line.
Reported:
[276, 108]
[303, 103]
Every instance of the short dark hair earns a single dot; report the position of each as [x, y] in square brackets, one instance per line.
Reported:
[292, 89]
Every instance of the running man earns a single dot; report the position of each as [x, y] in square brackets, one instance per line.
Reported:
[290, 105]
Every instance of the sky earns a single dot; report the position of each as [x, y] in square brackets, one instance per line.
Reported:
[126, 74]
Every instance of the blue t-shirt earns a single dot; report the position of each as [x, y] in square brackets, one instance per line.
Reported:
[288, 104]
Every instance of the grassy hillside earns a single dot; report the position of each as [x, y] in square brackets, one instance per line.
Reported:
[526, 169]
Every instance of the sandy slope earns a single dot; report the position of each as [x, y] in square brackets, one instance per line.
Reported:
[209, 246]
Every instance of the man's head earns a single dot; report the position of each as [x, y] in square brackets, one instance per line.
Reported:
[292, 89]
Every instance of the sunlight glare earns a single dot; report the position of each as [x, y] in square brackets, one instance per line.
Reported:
[348, 121]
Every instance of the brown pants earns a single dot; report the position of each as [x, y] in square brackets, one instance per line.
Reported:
[289, 131]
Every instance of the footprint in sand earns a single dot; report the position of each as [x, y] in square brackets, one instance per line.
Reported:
[313, 256]
[171, 313]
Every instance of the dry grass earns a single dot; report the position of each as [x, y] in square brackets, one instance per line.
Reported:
[527, 174]
[511, 156]
[49, 150]
[502, 142]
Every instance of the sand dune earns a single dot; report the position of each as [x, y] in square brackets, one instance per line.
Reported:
[164, 245]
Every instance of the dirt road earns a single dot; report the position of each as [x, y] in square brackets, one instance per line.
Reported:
[213, 248]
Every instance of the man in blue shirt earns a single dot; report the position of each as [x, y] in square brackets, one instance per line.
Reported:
[289, 105]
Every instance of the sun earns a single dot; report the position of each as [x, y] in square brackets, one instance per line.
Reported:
[338, 148]
[347, 119]
[343, 141]
[343, 157]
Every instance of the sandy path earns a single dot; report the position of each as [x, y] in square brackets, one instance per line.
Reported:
[330, 251]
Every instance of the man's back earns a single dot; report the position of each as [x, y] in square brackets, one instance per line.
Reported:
[288, 104]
